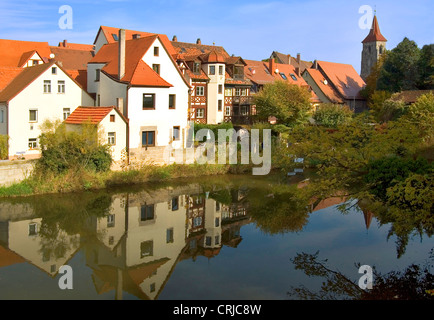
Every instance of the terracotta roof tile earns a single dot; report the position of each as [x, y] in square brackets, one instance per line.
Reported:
[193, 49]
[110, 31]
[72, 59]
[12, 51]
[374, 33]
[75, 46]
[22, 80]
[7, 74]
[344, 77]
[137, 72]
[324, 86]
[93, 115]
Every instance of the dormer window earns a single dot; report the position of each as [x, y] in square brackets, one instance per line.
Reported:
[283, 76]
[293, 77]
[196, 67]
[115, 36]
[238, 72]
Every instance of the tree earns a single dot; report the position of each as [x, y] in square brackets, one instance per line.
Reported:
[332, 115]
[400, 68]
[426, 67]
[289, 103]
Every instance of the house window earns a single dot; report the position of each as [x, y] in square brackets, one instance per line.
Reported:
[169, 235]
[176, 133]
[112, 138]
[228, 92]
[175, 204]
[208, 241]
[33, 229]
[212, 70]
[172, 101]
[147, 212]
[197, 221]
[156, 51]
[115, 37]
[217, 222]
[47, 86]
[237, 92]
[228, 111]
[220, 88]
[293, 77]
[2, 116]
[33, 115]
[148, 138]
[152, 287]
[148, 101]
[217, 240]
[53, 70]
[35, 62]
[221, 70]
[200, 113]
[156, 68]
[61, 86]
[239, 73]
[110, 221]
[97, 74]
[196, 67]
[66, 113]
[220, 105]
[244, 92]
[200, 91]
[33, 143]
[112, 118]
[147, 249]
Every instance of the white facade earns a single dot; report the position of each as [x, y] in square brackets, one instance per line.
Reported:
[32, 106]
[216, 92]
[166, 123]
[114, 132]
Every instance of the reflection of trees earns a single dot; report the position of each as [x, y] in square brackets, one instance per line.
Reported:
[414, 283]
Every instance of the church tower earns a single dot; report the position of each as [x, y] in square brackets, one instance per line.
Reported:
[373, 47]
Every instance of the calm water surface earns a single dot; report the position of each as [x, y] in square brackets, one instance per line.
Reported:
[231, 237]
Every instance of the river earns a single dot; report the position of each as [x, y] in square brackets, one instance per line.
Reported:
[227, 237]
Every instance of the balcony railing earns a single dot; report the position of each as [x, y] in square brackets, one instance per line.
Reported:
[242, 100]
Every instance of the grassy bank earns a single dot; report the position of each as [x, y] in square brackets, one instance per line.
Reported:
[82, 180]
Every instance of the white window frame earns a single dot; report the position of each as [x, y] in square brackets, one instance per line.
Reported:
[36, 115]
[202, 115]
[34, 142]
[47, 86]
[66, 113]
[61, 86]
[111, 138]
[200, 91]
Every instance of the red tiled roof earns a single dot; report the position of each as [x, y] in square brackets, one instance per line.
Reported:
[22, 80]
[409, 96]
[344, 77]
[109, 31]
[8, 257]
[72, 59]
[137, 72]
[80, 76]
[93, 115]
[75, 46]
[325, 87]
[193, 49]
[201, 76]
[213, 57]
[7, 74]
[12, 51]
[374, 33]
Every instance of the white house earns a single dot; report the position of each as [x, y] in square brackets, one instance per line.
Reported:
[112, 124]
[140, 77]
[40, 92]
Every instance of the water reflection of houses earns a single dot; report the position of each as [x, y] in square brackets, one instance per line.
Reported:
[156, 230]
[23, 238]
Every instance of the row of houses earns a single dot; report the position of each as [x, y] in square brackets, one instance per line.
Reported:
[144, 89]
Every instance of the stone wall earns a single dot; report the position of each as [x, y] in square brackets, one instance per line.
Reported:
[14, 171]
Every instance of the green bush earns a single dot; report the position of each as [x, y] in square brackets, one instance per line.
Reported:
[332, 115]
[4, 148]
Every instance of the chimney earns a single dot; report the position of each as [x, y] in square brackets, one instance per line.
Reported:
[298, 58]
[315, 65]
[297, 71]
[175, 39]
[271, 65]
[136, 36]
[122, 50]
[198, 41]
[65, 43]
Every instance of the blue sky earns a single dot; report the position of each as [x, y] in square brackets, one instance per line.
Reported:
[317, 29]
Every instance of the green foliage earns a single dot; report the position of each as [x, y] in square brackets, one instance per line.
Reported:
[421, 114]
[426, 67]
[391, 110]
[376, 100]
[332, 115]
[385, 173]
[64, 150]
[400, 68]
[213, 127]
[4, 146]
[289, 103]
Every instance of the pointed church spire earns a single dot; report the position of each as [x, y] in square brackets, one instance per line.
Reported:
[375, 34]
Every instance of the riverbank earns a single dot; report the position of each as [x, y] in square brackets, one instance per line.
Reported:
[83, 180]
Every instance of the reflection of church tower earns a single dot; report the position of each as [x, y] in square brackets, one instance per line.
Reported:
[373, 47]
